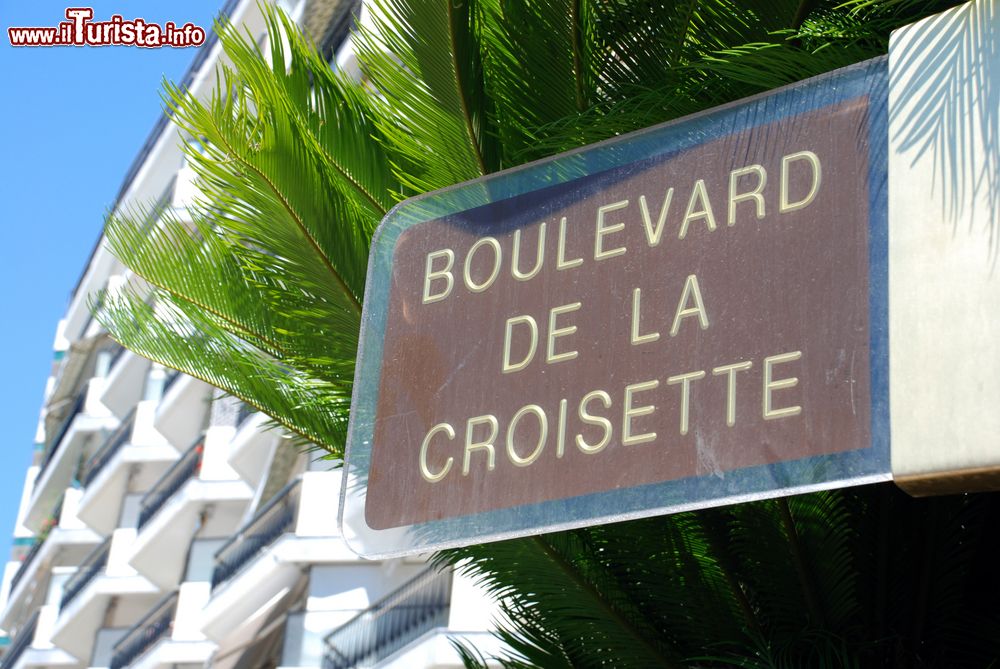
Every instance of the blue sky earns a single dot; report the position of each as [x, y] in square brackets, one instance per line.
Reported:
[72, 119]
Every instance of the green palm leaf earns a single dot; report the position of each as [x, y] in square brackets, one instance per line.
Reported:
[422, 59]
[178, 335]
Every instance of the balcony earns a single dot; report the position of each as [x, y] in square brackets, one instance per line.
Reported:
[65, 544]
[108, 450]
[164, 636]
[266, 557]
[78, 362]
[184, 402]
[31, 646]
[22, 642]
[126, 378]
[191, 497]
[416, 608]
[93, 565]
[104, 577]
[132, 459]
[275, 519]
[84, 419]
[146, 633]
[251, 448]
[53, 446]
[27, 563]
[184, 469]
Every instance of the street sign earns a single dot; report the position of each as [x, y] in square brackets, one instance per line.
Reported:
[687, 316]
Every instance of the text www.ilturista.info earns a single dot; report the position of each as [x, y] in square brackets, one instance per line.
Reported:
[80, 30]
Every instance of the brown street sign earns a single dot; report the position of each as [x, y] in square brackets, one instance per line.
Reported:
[672, 319]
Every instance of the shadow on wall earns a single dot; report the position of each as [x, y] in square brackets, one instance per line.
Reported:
[946, 85]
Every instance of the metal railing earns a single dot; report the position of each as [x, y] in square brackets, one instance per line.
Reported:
[55, 443]
[183, 470]
[25, 563]
[144, 634]
[50, 523]
[112, 445]
[22, 642]
[275, 519]
[376, 633]
[92, 565]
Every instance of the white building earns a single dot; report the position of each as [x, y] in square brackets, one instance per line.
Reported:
[162, 526]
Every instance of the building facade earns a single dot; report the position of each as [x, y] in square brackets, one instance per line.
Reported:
[162, 524]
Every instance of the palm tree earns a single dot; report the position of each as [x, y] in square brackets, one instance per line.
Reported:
[262, 297]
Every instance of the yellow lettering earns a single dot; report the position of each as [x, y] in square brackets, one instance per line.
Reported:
[685, 381]
[561, 262]
[561, 430]
[515, 268]
[691, 292]
[508, 366]
[543, 432]
[653, 234]
[590, 419]
[756, 194]
[483, 444]
[817, 177]
[603, 230]
[444, 273]
[698, 195]
[770, 413]
[730, 372]
[480, 287]
[636, 337]
[555, 332]
[425, 471]
[628, 413]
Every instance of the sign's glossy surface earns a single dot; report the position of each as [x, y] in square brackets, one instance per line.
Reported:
[686, 316]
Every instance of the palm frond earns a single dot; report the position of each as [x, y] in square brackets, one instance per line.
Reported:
[422, 58]
[178, 335]
[554, 590]
[536, 66]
